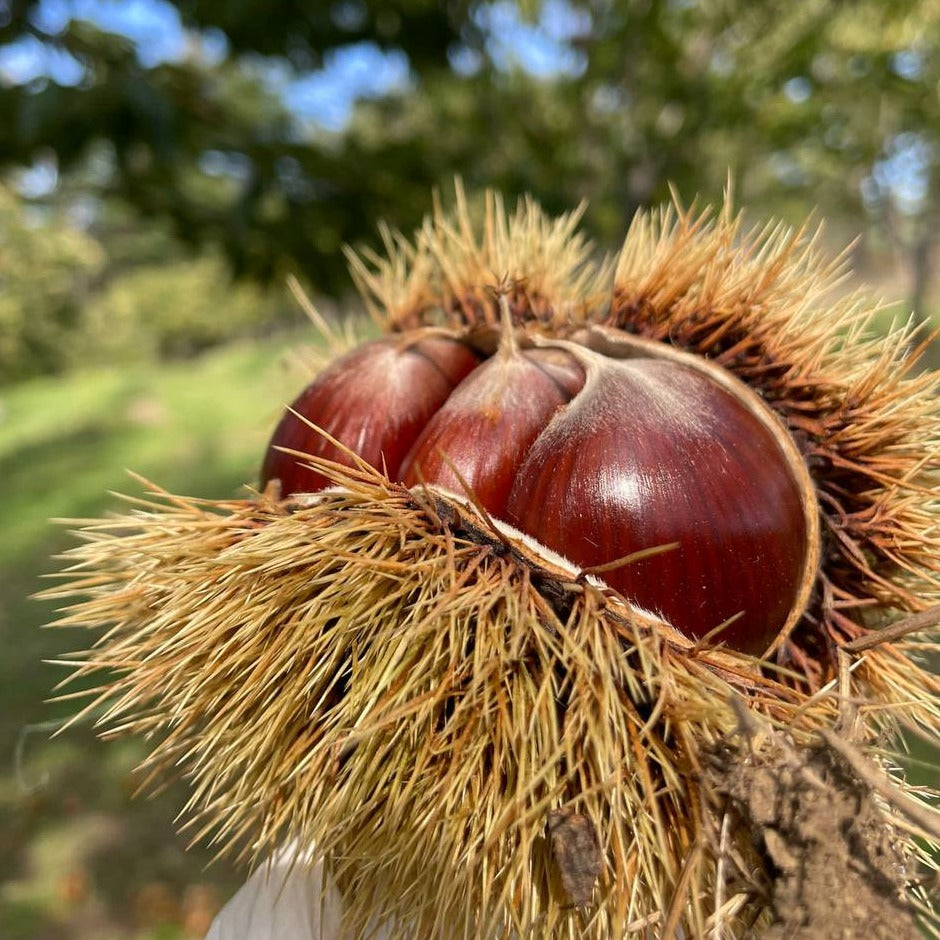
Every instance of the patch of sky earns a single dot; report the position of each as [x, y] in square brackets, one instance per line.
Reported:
[798, 89]
[154, 27]
[159, 36]
[903, 174]
[358, 70]
[29, 60]
[543, 47]
[909, 64]
[326, 96]
[39, 179]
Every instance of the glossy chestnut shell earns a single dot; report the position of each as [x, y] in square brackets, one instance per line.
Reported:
[599, 447]
[375, 401]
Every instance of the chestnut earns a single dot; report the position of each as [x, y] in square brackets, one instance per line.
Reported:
[374, 401]
[483, 431]
[598, 454]
[654, 452]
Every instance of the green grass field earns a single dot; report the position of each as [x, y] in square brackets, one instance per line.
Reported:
[79, 856]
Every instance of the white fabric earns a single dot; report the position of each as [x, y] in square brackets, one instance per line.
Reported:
[285, 900]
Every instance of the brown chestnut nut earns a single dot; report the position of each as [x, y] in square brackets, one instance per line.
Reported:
[375, 401]
[653, 452]
[598, 454]
[482, 432]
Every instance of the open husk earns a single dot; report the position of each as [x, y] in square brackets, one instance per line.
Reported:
[481, 740]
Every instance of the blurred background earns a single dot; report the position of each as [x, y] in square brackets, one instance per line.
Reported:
[165, 166]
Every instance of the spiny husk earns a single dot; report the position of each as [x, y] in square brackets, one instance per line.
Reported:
[393, 678]
[543, 267]
[369, 665]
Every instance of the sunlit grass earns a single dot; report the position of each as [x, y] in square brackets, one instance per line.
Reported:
[203, 425]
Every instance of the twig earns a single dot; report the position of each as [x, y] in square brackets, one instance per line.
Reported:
[919, 621]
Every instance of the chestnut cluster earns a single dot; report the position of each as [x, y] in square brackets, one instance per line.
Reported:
[602, 448]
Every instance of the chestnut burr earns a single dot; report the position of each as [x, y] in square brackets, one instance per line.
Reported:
[469, 707]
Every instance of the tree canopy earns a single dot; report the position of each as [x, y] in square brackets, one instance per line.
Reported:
[813, 103]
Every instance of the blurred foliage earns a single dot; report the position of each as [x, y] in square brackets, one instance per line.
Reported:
[276, 195]
[46, 269]
[69, 300]
[423, 29]
[807, 99]
[815, 103]
[169, 312]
